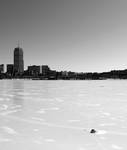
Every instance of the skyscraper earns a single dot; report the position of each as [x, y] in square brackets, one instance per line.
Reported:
[18, 60]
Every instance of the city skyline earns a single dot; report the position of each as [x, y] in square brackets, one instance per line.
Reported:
[72, 35]
[43, 72]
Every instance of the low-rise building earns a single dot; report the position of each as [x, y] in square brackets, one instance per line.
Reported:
[34, 70]
[1, 68]
[10, 69]
[45, 70]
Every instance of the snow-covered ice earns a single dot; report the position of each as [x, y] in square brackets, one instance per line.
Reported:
[58, 115]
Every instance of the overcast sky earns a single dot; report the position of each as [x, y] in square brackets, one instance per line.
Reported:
[76, 35]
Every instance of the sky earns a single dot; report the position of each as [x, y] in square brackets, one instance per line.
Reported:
[72, 35]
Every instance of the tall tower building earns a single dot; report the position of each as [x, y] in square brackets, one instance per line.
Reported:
[18, 60]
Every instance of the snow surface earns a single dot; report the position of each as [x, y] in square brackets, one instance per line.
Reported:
[58, 115]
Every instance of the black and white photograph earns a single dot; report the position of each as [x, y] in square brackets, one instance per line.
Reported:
[63, 74]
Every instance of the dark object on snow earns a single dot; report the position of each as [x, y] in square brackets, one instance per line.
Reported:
[93, 131]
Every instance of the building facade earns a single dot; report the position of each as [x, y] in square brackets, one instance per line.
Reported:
[1, 68]
[18, 61]
[10, 69]
[34, 70]
[45, 70]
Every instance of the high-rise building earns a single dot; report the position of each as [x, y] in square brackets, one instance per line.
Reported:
[1, 68]
[18, 61]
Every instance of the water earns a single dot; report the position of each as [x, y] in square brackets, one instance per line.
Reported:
[58, 115]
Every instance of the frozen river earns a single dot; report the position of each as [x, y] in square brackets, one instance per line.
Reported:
[58, 115]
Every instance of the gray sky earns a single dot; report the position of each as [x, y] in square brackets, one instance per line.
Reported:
[76, 35]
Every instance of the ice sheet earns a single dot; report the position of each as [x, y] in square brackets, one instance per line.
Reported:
[58, 115]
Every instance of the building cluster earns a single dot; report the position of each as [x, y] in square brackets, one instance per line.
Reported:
[43, 72]
[16, 70]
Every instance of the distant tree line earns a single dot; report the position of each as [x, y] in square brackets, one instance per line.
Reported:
[68, 75]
